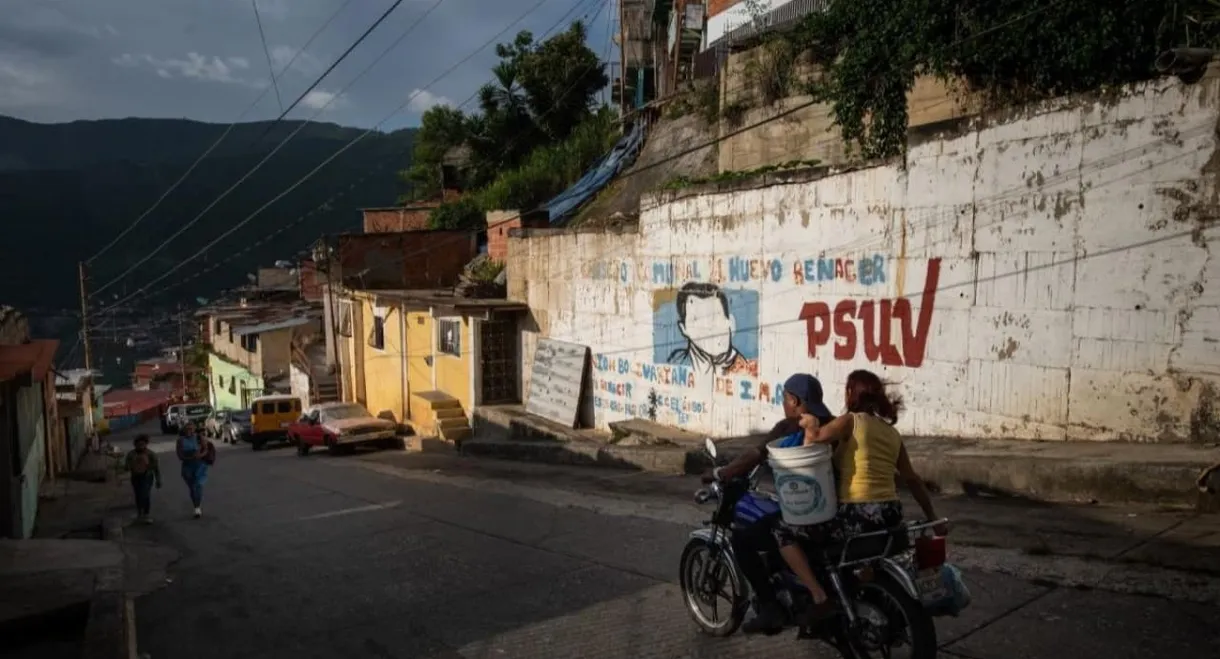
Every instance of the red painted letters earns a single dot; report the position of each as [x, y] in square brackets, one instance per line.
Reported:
[821, 324]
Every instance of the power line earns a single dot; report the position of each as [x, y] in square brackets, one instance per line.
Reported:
[633, 172]
[258, 20]
[207, 152]
[283, 143]
[315, 170]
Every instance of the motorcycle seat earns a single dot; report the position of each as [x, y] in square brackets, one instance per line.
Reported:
[871, 545]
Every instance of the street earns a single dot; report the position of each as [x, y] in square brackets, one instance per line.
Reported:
[425, 556]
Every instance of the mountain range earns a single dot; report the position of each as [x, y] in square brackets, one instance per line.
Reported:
[68, 189]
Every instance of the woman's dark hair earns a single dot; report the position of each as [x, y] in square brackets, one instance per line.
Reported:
[866, 393]
[140, 438]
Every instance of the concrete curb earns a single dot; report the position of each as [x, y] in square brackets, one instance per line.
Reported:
[1047, 478]
[110, 627]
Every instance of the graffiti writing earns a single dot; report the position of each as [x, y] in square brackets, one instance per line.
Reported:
[876, 321]
[865, 270]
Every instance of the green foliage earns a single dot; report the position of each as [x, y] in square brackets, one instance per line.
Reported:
[683, 182]
[441, 129]
[541, 94]
[1013, 51]
[549, 170]
[485, 271]
[464, 213]
[702, 98]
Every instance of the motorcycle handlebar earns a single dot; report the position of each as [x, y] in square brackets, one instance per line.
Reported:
[708, 493]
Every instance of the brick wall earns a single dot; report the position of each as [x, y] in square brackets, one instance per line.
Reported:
[310, 281]
[405, 260]
[717, 6]
[499, 223]
[393, 220]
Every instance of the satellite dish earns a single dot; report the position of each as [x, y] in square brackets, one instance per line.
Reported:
[283, 264]
[131, 343]
[201, 300]
[252, 278]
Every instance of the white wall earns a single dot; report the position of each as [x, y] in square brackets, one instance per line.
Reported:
[299, 382]
[1048, 278]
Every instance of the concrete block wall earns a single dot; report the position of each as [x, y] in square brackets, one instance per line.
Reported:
[1043, 275]
[809, 133]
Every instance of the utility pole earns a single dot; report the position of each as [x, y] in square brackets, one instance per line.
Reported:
[84, 337]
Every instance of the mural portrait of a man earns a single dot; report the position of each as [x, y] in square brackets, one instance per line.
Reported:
[708, 326]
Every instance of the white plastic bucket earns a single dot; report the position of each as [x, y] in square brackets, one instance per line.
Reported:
[804, 483]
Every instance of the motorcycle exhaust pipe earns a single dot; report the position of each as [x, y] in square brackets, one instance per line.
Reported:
[1187, 64]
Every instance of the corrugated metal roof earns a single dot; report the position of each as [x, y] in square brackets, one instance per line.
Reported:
[271, 326]
[33, 358]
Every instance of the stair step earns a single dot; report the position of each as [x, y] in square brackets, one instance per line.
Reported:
[456, 434]
[449, 413]
[452, 423]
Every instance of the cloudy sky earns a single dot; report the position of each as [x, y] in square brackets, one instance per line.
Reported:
[62, 60]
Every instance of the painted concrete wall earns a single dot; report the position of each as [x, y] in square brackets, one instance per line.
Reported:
[299, 384]
[1043, 277]
[383, 376]
[420, 375]
[453, 373]
[228, 382]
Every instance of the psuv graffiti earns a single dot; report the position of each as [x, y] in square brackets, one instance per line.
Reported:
[876, 321]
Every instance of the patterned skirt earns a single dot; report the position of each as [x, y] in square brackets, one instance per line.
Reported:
[852, 519]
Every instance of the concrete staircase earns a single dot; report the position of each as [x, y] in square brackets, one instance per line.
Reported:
[444, 417]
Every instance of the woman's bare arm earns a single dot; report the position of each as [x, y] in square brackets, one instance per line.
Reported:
[835, 431]
[916, 485]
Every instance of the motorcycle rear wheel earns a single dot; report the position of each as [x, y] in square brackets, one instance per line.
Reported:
[725, 573]
[891, 599]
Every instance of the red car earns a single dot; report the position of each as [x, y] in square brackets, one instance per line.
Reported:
[340, 426]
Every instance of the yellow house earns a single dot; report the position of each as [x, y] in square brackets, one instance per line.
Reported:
[426, 359]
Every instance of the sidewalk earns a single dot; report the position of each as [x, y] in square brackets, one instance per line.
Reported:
[68, 590]
[1110, 472]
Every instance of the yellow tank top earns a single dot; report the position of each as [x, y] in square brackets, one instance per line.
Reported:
[868, 461]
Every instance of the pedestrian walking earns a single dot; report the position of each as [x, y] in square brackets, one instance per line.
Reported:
[145, 472]
[197, 455]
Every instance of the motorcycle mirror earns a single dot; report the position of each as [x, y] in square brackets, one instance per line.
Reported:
[710, 446]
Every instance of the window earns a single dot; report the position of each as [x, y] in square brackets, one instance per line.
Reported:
[345, 317]
[250, 342]
[220, 381]
[233, 385]
[216, 324]
[449, 337]
[377, 336]
[268, 408]
[283, 407]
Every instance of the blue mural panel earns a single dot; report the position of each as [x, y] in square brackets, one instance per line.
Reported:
[706, 327]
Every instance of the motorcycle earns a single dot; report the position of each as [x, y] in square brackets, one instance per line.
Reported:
[887, 585]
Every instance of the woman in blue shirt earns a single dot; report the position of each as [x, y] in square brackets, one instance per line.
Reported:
[196, 454]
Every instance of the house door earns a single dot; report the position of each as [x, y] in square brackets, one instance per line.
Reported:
[498, 361]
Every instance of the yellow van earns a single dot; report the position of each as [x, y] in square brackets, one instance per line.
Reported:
[270, 417]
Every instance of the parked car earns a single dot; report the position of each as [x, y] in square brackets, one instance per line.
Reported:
[237, 427]
[215, 423]
[339, 427]
[270, 417]
[197, 414]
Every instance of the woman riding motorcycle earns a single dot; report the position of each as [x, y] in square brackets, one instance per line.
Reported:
[868, 451]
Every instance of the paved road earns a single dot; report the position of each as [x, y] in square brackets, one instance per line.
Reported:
[347, 557]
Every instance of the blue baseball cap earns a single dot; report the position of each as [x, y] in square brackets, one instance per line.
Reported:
[808, 390]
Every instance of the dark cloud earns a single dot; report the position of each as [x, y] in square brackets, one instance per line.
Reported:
[83, 59]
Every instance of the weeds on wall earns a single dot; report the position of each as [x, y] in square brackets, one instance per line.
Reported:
[1008, 51]
[702, 99]
[683, 182]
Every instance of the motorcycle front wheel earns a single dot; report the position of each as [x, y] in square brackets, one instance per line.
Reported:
[891, 623]
[712, 588]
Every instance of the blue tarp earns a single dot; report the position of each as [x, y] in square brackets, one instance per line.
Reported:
[623, 154]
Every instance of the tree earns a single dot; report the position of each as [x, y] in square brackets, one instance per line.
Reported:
[463, 213]
[441, 128]
[561, 78]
